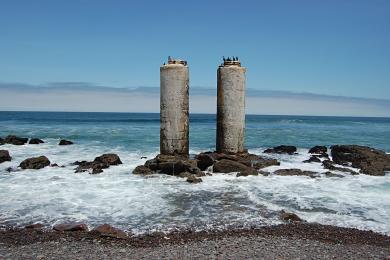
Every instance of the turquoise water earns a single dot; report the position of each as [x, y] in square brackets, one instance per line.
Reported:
[141, 131]
[53, 195]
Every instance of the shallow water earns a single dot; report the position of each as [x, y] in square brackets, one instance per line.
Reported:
[53, 195]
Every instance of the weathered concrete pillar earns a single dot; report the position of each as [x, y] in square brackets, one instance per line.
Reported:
[230, 106]
[174, 108]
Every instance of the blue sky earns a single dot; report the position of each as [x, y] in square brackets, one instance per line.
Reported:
[326, 47]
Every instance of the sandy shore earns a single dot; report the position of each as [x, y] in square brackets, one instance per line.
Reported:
[288, 241]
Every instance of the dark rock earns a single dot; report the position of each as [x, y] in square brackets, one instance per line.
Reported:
[80, 170]
[370, 161]
[109, 159]
[265, 162]
[288, 149]
[96, 166]
[264, 173]
[12, 139]
[142, 170]
[143, 157]
[172, 164]
[312, 159]
[185, 175]
[2, 141]
[35, 163]
[107, 230]
[152, 164]
[247, 173]
[219, 156]
[319, 152]
[196, 171]
[322, 155]
[245, 158]
[36, 141]
[176, 164]
[174, 167]
[34, 226]
[80, 162]
[201, 174]
[205, 160]
[92, 167]
[96, 170]
[331, 174]
[289, 217]
[295, 172]
[250, 160]
[227, 166]
[188, 174]
[330, 166]
[255, 161]
[72, 226]
[65, 142]
[54, 165]
[4, 156]
[193, 179]
[318, 149]
[10, 169]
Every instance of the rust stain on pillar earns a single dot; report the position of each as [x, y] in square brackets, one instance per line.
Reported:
[230, 106]
[174, 108]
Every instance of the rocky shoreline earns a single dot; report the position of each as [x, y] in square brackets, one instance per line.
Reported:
[363, 160]
[337, 161]
[324, 233]
[297, 240]
[351, 159]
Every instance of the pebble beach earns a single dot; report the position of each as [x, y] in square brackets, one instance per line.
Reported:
[288, 241]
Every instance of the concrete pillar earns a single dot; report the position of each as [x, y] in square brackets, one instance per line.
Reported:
[174, 108]
[230, 107]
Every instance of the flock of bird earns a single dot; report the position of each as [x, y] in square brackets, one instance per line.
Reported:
[230, 59]
[234, 58]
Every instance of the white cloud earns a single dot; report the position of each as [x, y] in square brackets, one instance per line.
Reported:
[87, 97]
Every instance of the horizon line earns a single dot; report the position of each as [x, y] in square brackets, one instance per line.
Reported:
[247, 114]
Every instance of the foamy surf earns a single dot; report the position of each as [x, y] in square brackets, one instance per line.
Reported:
[164, 203]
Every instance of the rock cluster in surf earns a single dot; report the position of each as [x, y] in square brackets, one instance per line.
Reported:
[351, 159]
[288, 149]
[182, 166]
[96, 166]
[16, 140]
[367, 161]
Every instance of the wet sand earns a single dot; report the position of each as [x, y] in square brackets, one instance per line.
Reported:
[289, 241]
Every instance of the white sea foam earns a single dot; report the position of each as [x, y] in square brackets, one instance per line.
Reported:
[53, 195]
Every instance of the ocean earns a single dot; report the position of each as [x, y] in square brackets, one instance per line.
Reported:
[165, 203]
